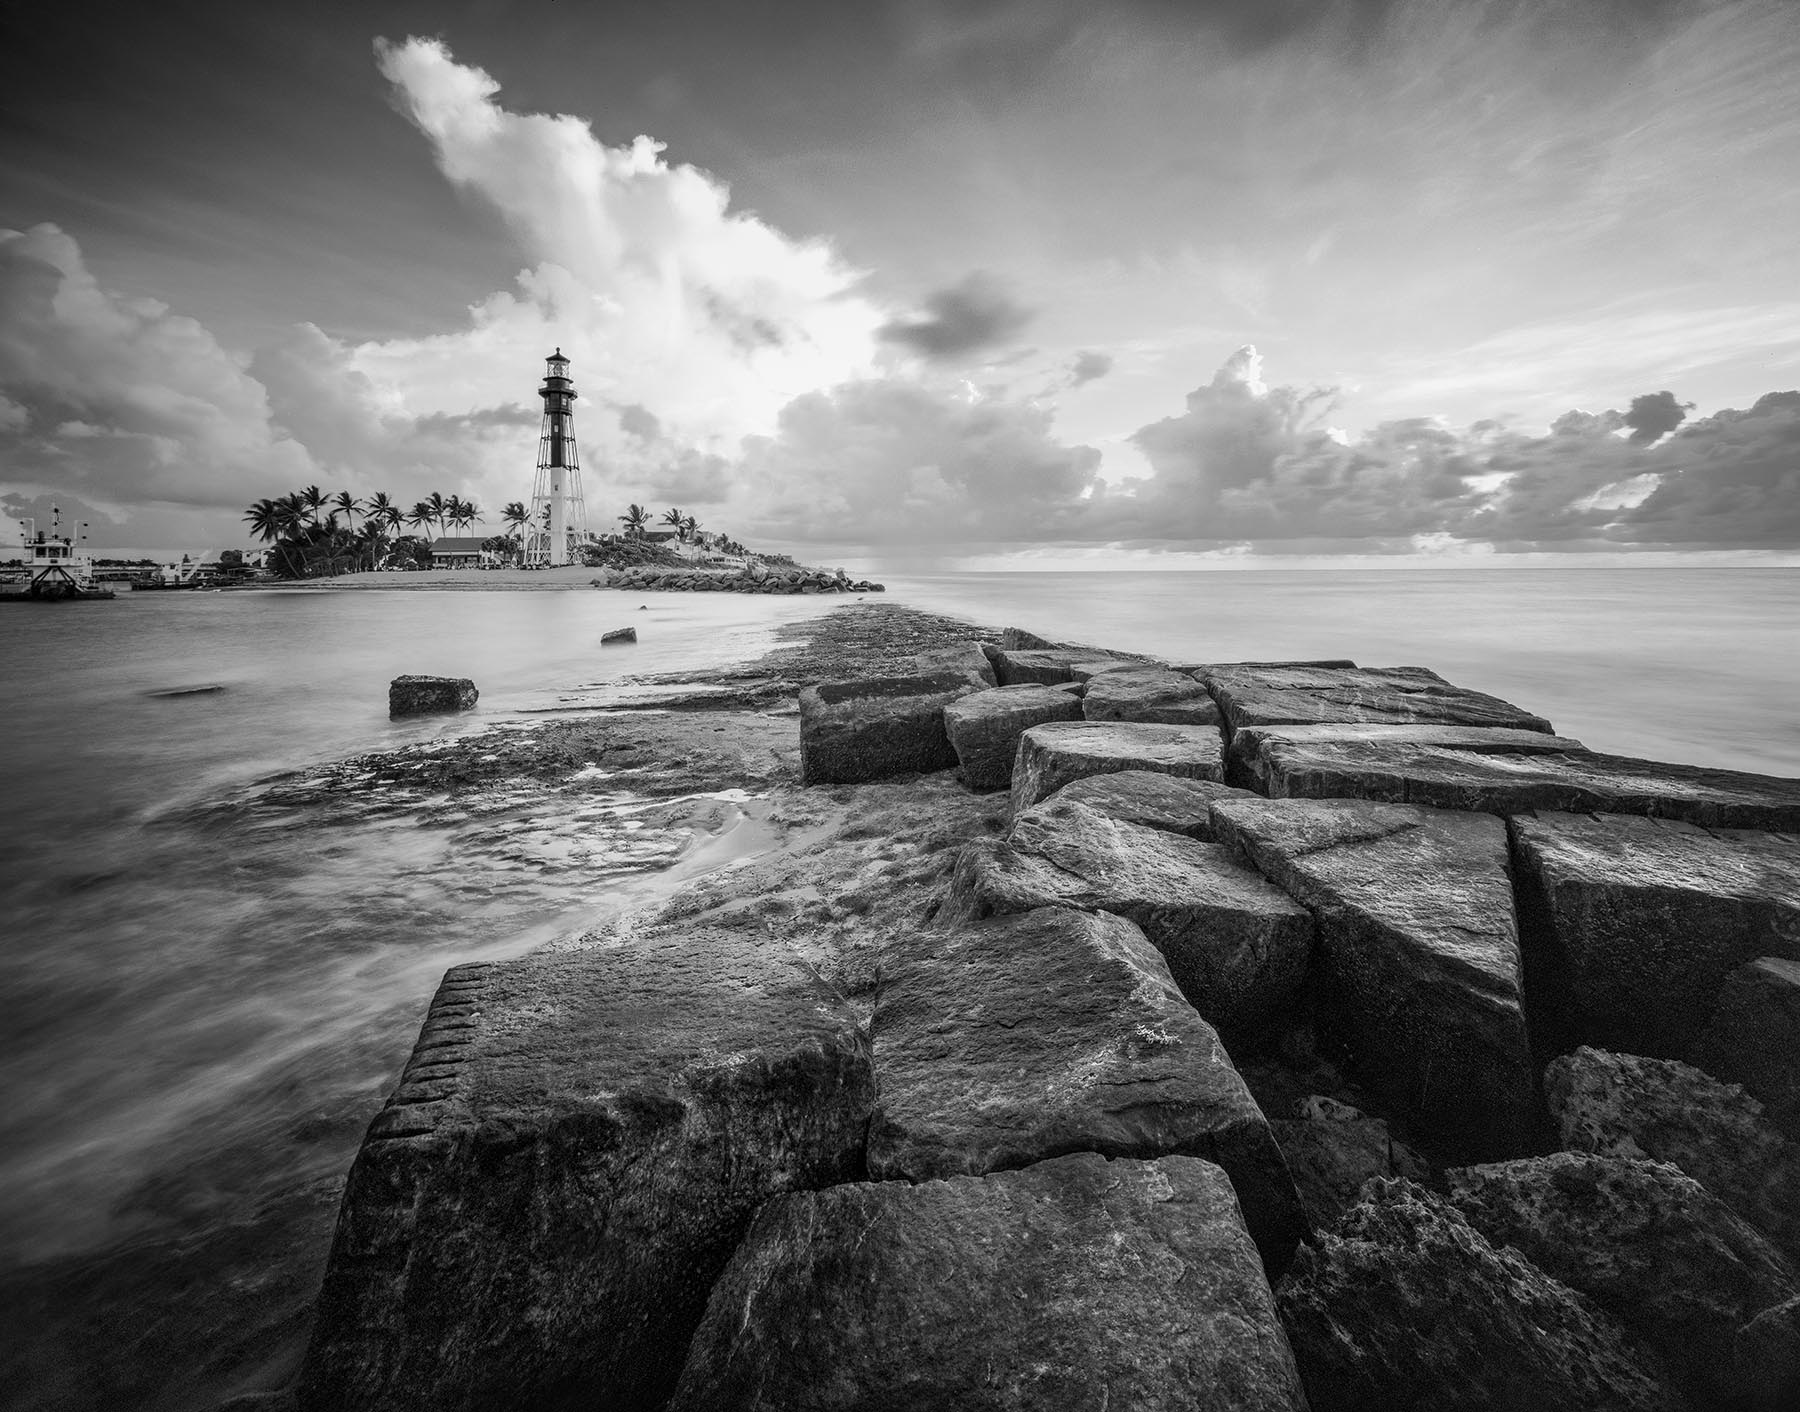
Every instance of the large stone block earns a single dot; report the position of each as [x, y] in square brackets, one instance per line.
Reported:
[970, 658]
[1074, 1283]
[1051, 756]
[1626, 1105]
[1049, 665]
[1506, 773]
[1420, 974]
[1153, 694]
[1238, 947]
[1361, 759]
[420, 696]
[852, 731]
[576, 1147]
[1009, 1041]
[984, 728]
[1273, 696]
[1155, 801]
[1632, 924]
[1753, 1038]
[1651, 1246]
[1406, 1307]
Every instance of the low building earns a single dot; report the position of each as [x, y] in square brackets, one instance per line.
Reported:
[461, 552]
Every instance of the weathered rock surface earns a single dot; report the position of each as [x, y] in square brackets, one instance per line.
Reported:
[864, 730]
[1053, 755]
[1272, 696]
[618, 636]
[1767, 1352]
[1074, 1283]
[576, 1147]
[1406, 1308]
[1019, 640]
[1509, 778]
[1370, 759]
[1025, 1037]
[1420, 973]
[1238, 947]
[419, 696]
[1651, 1246]
[1633, 924]
[1153, 694]
[1625, 1105]
[1166, 802]
[968, 657]
[1047, 666]
[984, 728]
[1333, 1151]
[1753, 1038]
[1201, 668]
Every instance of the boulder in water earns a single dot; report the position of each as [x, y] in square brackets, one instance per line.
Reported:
[419, 696]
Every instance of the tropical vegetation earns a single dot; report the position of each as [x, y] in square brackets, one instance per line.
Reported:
[313, 535]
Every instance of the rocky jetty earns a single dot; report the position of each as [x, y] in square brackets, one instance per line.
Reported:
[1239, 1035]
[752, 578]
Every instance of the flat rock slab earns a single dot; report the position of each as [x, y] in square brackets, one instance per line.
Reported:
[1651, 1246]
[575, 1149]
[1626, 1105]
[1418, 954]
[1273, 696]
[984, 728]
[1153, 694]
[1509, 776]
[969, 657]
[1050, 665]
[852, 731]
[1753, 1038]
[419, 696]
[1258, 752]
[1024, 1037]
[1238, 947]
[1632, 924]
[1166, 802]
[1074, 1283]
[1405, 1306]
[1051, 756]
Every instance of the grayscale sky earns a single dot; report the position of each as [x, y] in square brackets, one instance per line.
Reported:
[1246, 278]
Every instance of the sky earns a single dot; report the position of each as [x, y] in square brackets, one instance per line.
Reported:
[1248, 280]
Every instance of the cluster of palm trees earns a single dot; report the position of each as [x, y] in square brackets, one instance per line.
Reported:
[315, 533]
[636, 518]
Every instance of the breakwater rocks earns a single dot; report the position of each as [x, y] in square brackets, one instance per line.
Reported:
[755, 578]
[1265, 1036]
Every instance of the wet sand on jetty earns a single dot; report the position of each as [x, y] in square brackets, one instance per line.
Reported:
[217, 1306]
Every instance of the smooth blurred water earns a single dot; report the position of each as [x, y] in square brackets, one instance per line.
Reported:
[189, 988]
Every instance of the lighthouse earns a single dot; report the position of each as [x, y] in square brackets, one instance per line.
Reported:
[558, 516]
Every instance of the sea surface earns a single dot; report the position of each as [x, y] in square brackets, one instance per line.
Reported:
[198, 993]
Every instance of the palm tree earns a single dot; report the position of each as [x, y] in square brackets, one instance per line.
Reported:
[674, 517]
[348, 506]
[515, 514]
[267, 522]
[421, 514]
[690, 527]
[634, 519]
[439, 508]
[312, 500]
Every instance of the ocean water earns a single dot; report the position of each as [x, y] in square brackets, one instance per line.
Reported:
[205, 1002]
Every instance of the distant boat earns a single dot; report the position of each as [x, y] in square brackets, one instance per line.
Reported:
[56, 570]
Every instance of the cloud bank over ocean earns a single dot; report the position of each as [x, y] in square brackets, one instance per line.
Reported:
[759, 380]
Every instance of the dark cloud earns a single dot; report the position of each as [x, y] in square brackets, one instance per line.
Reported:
[1089, 366]
[1727, 480]
[639, 421]
[975, 313]
[1654, 415]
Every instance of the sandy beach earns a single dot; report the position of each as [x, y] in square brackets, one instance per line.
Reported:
[443, 580]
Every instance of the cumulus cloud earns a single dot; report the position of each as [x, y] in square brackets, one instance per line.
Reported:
[1654, 415]
[976, 313]
[118, 398]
